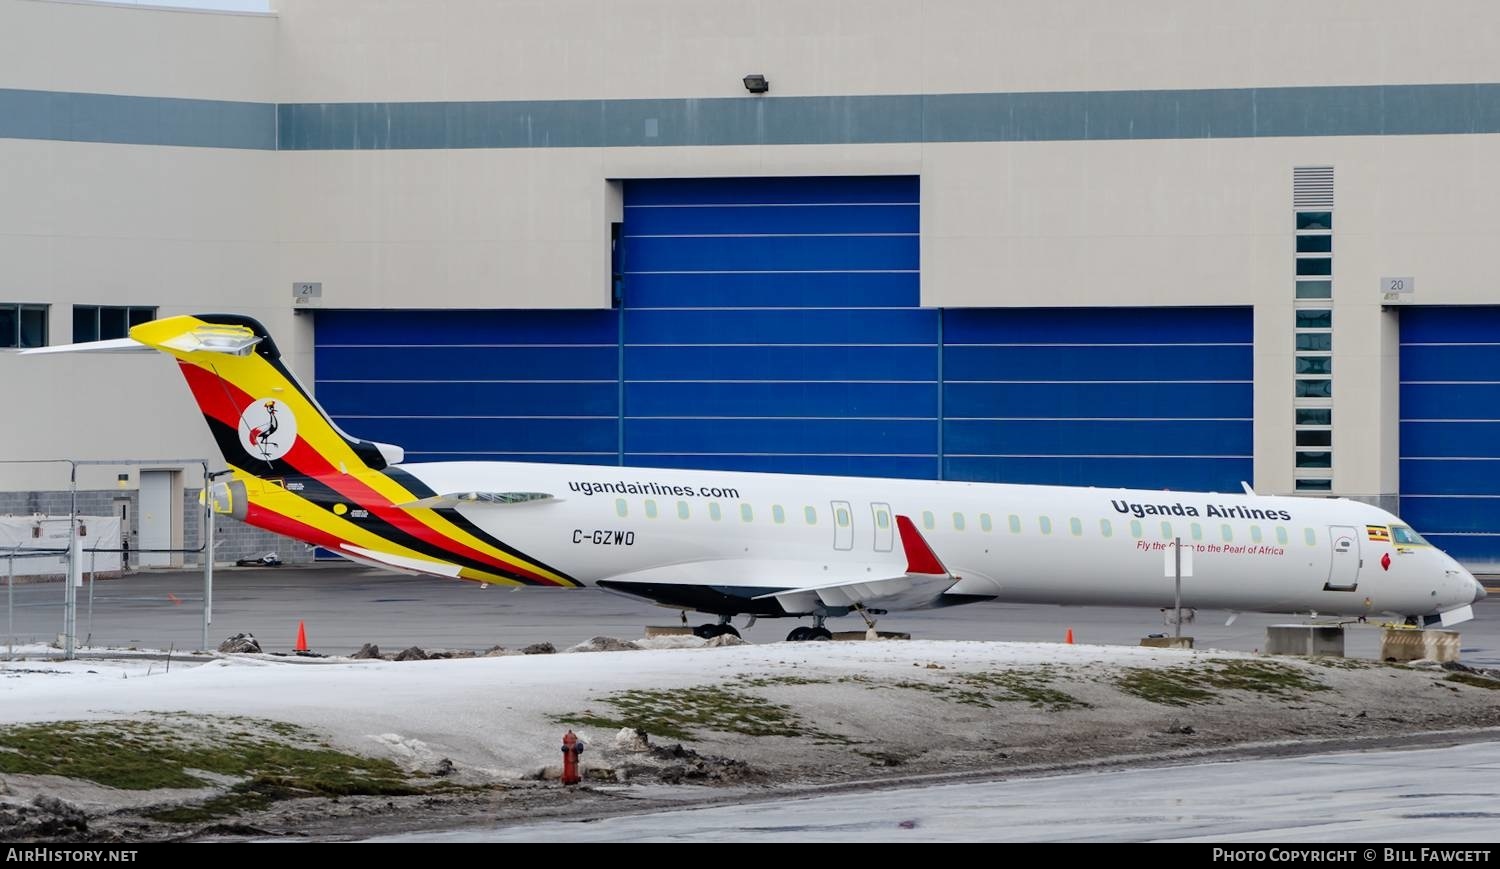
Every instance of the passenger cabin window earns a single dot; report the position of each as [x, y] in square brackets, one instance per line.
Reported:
[1197, 531]
[1015, 524]
[1227, 533]
[809, 515]
[1310, 536]
[621, 508]
[1135, 528]
[650, 509]
[958, 521]
[1254, 533]
[1281, 535]
[883, 519]
[1075, 525]
[778, 515]
[1166, 530]
[1045, 523]
[985, 524]
[928, 521]
[1106, 528]
[841, 516]
[682, 510]
[746, 514]
[714, 512]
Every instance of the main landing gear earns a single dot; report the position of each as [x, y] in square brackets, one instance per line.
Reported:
[708, 632]
[816, 633]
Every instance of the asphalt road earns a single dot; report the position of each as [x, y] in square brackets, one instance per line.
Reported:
[344, 607]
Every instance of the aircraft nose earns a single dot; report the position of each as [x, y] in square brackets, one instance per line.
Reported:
[1479, 592]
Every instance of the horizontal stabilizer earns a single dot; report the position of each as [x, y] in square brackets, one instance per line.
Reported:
[399, 562]
[113, 345]
[466, 499]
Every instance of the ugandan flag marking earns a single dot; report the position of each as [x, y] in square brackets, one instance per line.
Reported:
[1379, 533]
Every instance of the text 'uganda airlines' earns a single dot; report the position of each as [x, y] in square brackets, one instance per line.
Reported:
[771, 545]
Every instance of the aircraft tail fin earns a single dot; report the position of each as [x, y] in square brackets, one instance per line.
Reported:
[265, 423]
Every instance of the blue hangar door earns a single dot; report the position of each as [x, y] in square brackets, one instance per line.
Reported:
[1158, 398]
[494, 385]
[772, 324]
[1450, 430]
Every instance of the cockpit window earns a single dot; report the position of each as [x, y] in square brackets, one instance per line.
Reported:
[1403, 536]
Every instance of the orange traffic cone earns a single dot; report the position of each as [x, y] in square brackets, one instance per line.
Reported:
[1069, 640]
[301, 647]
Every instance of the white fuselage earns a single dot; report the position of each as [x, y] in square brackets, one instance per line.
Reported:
[1020, 543]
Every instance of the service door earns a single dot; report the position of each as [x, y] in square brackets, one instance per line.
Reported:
[155, 516]
[1344, 575]
[884, 525]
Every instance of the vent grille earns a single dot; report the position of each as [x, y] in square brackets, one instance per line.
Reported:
[1312, 187]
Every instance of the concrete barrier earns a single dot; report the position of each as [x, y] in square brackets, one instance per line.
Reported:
[1405, 644]
[1167, 642]
[1305, 640]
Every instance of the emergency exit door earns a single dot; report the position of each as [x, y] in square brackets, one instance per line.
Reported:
[884, 526]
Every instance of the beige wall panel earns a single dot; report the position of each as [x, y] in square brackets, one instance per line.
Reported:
[99, 48]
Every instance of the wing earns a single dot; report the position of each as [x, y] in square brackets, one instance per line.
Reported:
[923, 580]
[910, 579]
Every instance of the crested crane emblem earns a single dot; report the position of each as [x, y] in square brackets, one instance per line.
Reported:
[267, 429]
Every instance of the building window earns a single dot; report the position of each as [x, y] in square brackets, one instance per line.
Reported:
[1314, 243]
[1315, 289]
[1314, 484]
[23, 325]
[105, 322]
[1314, 318]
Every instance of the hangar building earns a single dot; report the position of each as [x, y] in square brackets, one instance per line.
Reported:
[1170, 244]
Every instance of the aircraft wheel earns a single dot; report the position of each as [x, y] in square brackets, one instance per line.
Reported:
[728, 629]
[819, 634]
[706, 632]
[798, 634]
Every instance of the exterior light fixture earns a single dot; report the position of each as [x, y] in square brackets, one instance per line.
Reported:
[757, 84]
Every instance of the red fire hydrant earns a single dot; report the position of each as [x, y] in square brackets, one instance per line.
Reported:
[572, 748]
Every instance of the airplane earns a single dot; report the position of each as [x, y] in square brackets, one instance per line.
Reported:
[776, 545]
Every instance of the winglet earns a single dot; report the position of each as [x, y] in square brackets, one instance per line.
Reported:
[919, 556]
